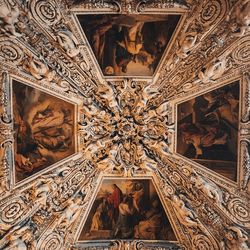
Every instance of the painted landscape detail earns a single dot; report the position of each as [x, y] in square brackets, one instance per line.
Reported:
[127, 209]
[128, 44]
[44, 128]
[208, 129]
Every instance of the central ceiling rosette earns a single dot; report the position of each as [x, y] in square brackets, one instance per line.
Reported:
[120, 132]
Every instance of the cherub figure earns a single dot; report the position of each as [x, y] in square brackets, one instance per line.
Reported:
[212, 71]
[235, 239]
[184, 214]
[207, 188]
[69, 42]
[70, 213]
[189, 41]
[8, 17]
[39, 69]
[187, 44]
[19, 238]
[42, 188]
[239, 18]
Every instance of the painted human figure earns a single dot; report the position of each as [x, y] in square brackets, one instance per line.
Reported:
[44, 133]
[228, 111]
[99, 39]
[115, 199]
[97, 223]
[151, 225]
[124, 227]
[132, 41]
[137, 195]
[201, 135]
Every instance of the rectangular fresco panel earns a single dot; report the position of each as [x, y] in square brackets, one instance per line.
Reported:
[127, 209]
[44, 130]
[128, 44]
[208, 129]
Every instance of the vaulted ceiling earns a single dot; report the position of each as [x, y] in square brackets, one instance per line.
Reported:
[124, 124]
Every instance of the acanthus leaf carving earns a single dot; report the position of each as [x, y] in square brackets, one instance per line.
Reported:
[125, 129]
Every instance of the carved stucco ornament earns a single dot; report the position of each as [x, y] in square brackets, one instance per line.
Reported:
[125, 127]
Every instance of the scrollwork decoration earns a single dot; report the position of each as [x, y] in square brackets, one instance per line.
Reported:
[126, 126]
[46, 12]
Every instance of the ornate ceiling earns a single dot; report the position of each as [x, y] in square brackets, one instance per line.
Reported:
[124, 124]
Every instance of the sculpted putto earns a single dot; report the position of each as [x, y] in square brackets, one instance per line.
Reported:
[19, 238]
[41, 190]
[213, 70]
[206, 188]
[39, 69]
[235, 239]
[70, 213]
[187, 44]
[239, 18]
[8, 17]
[184, 214]
[69, 42]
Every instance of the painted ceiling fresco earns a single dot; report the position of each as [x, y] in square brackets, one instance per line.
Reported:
[128, 44]
[127, 209]
[208, 129]
[124, 125]
[44, 130]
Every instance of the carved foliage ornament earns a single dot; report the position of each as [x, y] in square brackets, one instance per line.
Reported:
[126, 127]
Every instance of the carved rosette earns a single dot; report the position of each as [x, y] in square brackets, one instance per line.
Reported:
[10, 52]
[241, 53]
[52, 241]
[12, 211]
[212, 12]
[45, 12]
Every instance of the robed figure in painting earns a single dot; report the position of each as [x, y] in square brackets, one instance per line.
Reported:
[128, 209]
[125, 224]
[115, 199]
[128, 44]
